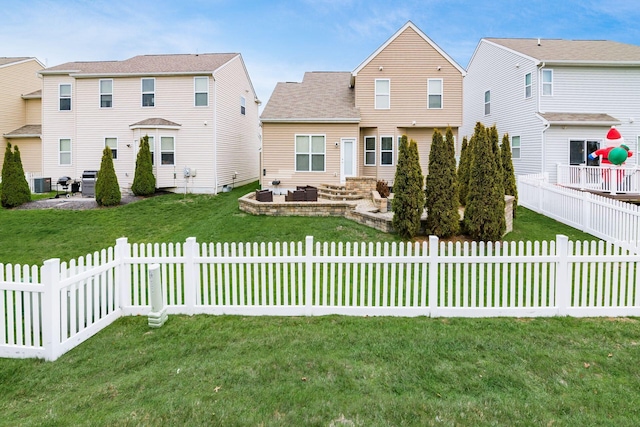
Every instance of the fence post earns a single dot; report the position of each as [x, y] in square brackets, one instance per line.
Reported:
[50, 305]
[433, 275]
[123, 272]
[158, 315]
[308, 275]
[563, 285]
[190, 274]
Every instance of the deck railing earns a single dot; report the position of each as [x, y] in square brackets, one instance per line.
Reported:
[606, 178]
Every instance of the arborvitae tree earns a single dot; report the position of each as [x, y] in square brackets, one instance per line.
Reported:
[14, 188]
[107, 187]
[144, 182]
[408, 193]
[484, 213]
[510, 186]
[494, 137]
[443, 218]
[464, 170]
[22, 186]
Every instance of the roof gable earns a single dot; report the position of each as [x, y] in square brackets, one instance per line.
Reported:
[405, 27]
[8, 61]
[552, 51]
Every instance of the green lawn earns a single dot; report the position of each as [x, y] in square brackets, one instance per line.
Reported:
[32, 236]
[322, 371]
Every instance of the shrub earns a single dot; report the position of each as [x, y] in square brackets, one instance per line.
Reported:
[14, 188]
[484, 213]
[107, 187]
[144, 182]
[443, 218]
[408, 194]
[463, 170]
[510, 186]
[382, 187]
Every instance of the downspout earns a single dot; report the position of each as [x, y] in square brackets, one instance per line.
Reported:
[545, 122]
[215, 132]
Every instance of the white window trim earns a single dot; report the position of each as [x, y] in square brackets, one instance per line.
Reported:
[243, 105]
[310, 153]
[196, 92]
[529, 86]
[117, 146]
[142, 92]
[542, 82]
[485, 103]
[152, 148]
[386, 151]
[167, 151]
[519, 146]
[70, 96]
[388, 95]
[441, 94]
[100, 92]
[61, 152]
[374, 151]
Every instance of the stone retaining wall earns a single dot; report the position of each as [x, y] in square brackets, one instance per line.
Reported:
[362, 184]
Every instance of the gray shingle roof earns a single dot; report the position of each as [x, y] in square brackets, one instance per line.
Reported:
[588, 51]
[9, 60]
[149, 64]
[580, 118]
[322, 96]
[25, 131]
[155, 122]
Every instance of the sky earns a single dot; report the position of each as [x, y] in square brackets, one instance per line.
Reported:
[280, 40]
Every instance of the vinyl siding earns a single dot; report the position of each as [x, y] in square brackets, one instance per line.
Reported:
[503, 73]
[278, 141]
[408, 62]
[30, 154]
[238, 137]
[88, 125]
[33, 111]
[15, 81]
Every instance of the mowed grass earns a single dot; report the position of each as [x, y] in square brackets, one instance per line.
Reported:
[33, 236]
[335, 371]
[297, 371]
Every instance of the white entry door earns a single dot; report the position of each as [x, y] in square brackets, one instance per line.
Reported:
[347, 158]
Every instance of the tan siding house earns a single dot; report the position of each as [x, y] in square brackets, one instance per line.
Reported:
[21, 109]
[184, 103]
[340, 124]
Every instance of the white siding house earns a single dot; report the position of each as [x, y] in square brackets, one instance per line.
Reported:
[199, 111]
[555, 98]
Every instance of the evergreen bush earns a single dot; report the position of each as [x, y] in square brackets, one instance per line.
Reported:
[442, 200]
[464, 170]
[107, 187]
[484, 214]
[14, 188]
[408, 193]
[510, 186]
[144, 182]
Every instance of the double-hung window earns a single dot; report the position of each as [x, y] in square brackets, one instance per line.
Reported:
[243, 105]
[434, 93]
[167, 150]
[386, 150]
[547, 82]
[383, 94]
[148, 92]
[310, 153]
[106, 93]
[369, 150]
[112, 144]
[487, 103]
[527, 85]
[64, 151]
[515, 147]
[65, 97]
[201, 89]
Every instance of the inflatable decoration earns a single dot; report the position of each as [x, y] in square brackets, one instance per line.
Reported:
[614, 152]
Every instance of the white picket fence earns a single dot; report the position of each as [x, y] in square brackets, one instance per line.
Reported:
[49, 310]
[607, 219]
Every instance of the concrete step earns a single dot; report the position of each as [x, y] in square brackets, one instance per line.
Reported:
[338, 192]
